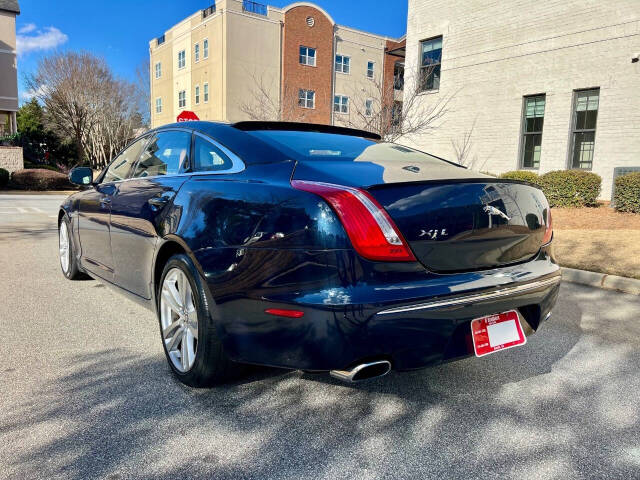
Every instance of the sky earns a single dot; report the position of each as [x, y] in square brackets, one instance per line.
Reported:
[120, 30]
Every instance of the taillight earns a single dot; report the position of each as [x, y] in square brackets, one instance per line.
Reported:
[284, 312]
[370, 229]
[548, 232]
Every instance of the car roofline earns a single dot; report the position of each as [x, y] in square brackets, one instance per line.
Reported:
[248, 126]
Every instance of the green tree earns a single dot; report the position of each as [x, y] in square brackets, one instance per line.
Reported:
[41, 145]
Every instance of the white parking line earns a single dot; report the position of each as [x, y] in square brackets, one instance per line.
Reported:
[19, 210]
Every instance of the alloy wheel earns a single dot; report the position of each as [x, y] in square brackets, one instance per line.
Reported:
[65, 254]
[179, 319]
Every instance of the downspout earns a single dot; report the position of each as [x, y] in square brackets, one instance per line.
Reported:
[223, 90]
[333, 76]
[281, 84]
[151, 94]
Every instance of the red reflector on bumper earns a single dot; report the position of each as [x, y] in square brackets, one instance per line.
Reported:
[281, 312]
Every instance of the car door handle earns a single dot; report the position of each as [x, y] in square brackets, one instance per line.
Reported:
[159, 202]
[105, 202]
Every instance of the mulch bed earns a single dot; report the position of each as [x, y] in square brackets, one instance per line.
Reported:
[598, 239]
[599, 218]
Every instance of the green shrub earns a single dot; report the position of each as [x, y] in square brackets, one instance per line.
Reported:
[571, 188]
[523, 175]
[30, 165]
[12, 140]
[626, 196]
[4, 177]
[39, 179]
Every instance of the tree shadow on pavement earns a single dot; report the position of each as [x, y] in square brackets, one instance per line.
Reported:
[563, 405]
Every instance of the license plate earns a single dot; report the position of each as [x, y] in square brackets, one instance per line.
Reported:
[497, 332]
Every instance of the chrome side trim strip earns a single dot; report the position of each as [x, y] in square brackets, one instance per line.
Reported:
[478, 297]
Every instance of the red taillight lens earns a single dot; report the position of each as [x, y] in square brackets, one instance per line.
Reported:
[282, 312]
[370, 229]
[548, 232]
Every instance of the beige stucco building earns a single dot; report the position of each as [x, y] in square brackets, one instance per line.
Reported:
[545, 86]
[240, 60]
[8, 67]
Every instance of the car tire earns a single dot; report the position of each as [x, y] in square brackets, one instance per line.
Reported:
[67, 251]
[211, 365]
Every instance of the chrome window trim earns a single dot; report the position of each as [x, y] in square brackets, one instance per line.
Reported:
[237, 165]
[477, 297]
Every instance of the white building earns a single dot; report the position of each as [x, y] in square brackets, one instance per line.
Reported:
[546, 85]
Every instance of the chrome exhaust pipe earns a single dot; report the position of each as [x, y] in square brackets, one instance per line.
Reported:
[364, 371]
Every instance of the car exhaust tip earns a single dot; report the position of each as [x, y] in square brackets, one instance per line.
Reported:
[364, 371]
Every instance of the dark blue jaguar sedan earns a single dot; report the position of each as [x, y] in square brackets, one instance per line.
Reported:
[311, 247]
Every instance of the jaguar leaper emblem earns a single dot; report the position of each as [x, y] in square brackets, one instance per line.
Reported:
[491, 210]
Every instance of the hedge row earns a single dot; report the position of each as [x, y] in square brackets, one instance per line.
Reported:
[524, 175]
[564, 188]
[39, 179]
[626, 195]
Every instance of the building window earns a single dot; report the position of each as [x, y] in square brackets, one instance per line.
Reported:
[159, 105]
[196, 52]
[585, 114]
[206, 92]
[158, 70]
[307, 98]
[342, 64]
[341, 104]
[181, 59]
[205, 48]
[430, 59]
[368, 107]
[532, 131]
[182, 99]
[398, 76]
[197, 96]
[370, 67]
[307, 56]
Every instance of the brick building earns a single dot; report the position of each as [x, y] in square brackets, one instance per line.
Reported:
[538, 85]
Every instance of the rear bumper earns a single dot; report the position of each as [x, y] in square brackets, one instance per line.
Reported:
[387, 321]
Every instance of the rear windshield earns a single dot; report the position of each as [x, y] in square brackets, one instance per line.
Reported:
[331, 146]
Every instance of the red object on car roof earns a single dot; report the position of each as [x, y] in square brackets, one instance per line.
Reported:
[186, 116]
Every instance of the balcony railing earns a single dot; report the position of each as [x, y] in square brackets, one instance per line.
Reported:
[208, 11]
[254, 7]
[160, 40]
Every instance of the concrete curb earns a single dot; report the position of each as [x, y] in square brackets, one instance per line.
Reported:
[602, 280]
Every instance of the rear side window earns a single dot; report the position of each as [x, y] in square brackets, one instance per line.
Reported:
[164, 154]
[121, 166]
[209, 158]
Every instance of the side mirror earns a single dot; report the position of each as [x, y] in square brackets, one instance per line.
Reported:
[81, 176]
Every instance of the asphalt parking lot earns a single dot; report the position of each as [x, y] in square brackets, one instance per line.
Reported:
[86, 393]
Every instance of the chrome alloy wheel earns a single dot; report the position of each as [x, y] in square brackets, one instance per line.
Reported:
[179, 319]
[64, 244]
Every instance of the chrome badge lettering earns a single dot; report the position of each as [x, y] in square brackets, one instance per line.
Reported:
[434, 233]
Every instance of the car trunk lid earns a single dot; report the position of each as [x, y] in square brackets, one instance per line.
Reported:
[467, 225]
